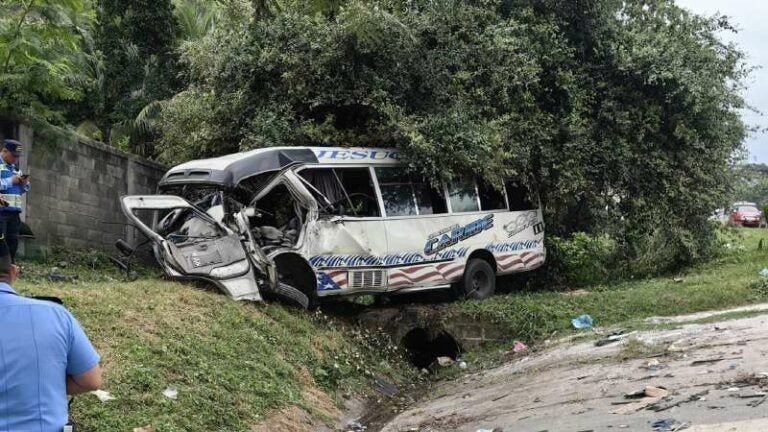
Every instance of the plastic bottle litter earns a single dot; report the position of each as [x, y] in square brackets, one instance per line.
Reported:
[582, 322]
[764, 272]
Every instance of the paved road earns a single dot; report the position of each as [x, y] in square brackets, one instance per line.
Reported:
[715, 374]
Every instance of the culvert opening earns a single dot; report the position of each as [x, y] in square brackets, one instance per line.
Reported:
[424, 348]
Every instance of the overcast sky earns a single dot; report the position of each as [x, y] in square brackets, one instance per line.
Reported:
[750, 16]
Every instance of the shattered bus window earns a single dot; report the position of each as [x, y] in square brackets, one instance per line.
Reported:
[280, 218]
[182, 225]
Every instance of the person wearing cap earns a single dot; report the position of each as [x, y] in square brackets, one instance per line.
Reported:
[44, 356]
[13, 184]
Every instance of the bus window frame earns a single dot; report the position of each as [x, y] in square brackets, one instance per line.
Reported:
[446, 193]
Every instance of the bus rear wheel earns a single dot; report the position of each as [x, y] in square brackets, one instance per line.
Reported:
[479, 281]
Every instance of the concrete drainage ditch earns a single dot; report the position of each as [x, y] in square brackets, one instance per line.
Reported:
[427, 332]
[425, 348]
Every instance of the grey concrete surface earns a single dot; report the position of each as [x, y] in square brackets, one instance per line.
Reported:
[579, 387]
[76, 185]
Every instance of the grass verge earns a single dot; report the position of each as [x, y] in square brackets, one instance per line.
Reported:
[232, 363]
[728, 282]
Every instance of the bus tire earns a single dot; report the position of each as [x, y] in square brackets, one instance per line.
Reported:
[479, 281]
[291, 296]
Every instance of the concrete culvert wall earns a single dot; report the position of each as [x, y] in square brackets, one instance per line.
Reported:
[397, 322]
[424, 348]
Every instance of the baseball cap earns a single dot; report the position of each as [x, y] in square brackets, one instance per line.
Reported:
[12, 146]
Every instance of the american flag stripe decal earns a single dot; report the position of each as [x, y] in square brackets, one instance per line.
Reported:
[424, 273]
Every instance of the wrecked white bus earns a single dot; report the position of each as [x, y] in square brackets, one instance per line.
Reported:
[303, 223]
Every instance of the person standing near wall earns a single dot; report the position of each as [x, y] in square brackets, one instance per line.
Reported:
[13, 184]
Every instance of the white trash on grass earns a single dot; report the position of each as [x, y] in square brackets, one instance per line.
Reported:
[171, 393]
[103, 396]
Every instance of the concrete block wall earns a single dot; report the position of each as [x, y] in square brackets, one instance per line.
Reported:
[76, 185]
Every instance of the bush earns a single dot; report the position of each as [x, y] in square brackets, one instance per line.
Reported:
[582, 259]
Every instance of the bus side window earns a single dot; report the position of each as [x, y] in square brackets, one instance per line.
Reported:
[350, 190]
[463, 197]
[430, 200]
[519, 196]
[491, 198]
[405, 195]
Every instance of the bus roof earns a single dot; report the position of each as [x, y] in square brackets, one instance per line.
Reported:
[229, 170]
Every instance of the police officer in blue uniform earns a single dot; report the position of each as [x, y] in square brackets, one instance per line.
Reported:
[13, 184]
[45, 356]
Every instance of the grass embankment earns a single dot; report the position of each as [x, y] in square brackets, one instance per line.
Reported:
[732, 280]
[232, 363]
[235, 364]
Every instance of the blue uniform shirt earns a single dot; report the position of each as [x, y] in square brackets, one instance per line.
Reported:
[40, 344]
[10, 192]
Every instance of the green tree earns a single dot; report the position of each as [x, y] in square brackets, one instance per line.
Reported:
[40, 57]
[196, 18]
[625, 113]
[137, 40]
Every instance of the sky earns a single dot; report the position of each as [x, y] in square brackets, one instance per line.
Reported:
[749, 16]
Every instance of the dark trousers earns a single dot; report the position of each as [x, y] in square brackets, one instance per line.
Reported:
[10, 224]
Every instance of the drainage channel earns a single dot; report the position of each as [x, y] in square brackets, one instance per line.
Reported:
[424, 348]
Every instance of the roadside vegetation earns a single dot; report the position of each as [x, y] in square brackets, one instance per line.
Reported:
[625, 115]
[233, 364]
[236, 365]
[532, 314]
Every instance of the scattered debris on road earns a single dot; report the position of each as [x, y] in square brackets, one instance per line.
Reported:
[713, 360]
[614, 337]
[696, 397]
[719, 373]
[668, 425]
[757, 403]
[650, 395]
[653, 365]
[649, 391]
[385, 387]
[356, 426]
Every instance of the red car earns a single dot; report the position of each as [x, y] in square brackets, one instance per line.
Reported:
[746, 215]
